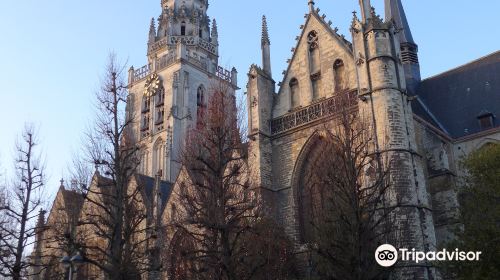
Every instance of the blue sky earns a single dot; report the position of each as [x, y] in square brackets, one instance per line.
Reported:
[53, 52]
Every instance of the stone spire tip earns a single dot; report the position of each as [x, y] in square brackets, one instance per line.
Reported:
[311, 5]
[394, 11]
[265, 32]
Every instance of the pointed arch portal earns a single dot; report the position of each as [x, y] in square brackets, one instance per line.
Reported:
[308, 190]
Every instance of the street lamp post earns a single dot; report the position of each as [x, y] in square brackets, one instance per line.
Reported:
[72, 263]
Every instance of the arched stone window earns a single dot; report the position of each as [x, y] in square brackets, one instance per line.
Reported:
[314, 55]
[179, 255]
[294, 92]
[339, 78]
[183, 28]
[200, 96]
[200, 105]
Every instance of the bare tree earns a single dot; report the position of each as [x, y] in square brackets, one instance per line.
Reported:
[57, 236]
[21, 207]
[80, 173]
[4, 222]
[112, 235]
[220, 207]
[344, 203]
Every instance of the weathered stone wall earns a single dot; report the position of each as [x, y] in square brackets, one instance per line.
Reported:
[440, 172]
[331, 47]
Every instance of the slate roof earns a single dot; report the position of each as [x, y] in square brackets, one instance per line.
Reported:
[453, 100]
[148, 183]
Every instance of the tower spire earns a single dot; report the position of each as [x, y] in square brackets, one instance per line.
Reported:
[409, 49]
[152, 31]
[266, 47]
[215, 33]
[366, 10]
[265, 32]
[311, 5]
[394, 11]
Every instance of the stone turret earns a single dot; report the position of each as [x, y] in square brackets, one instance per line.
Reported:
[187, 17]
[152, 32]
[409, 49]
[266, 48]
[214, 36]
[260, 94]
[385, 106]
[37, 254]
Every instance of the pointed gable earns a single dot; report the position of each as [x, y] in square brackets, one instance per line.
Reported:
[298, 87]
[67, 204]
[57, 207]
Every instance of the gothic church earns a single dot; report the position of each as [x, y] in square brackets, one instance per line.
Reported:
[427, 125]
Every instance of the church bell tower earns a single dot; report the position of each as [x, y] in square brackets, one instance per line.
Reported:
[167, 95]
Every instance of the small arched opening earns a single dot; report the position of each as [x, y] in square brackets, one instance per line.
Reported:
[339, 78]
[183, 28]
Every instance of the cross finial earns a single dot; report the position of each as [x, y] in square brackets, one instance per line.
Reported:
[62, 182]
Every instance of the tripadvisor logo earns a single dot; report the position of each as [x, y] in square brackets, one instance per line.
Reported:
[387, 255]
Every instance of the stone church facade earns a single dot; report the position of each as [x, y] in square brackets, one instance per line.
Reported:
[424, 126]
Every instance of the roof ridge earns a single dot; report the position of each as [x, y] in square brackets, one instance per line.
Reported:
[461, 66]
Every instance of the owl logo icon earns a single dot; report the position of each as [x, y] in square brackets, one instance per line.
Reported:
[386, 255]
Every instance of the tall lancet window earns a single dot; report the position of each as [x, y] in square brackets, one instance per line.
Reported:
[339, 75]
[294, 93]
[314, 62]
[158, 157]
[145, 104]
[183, 28]
[160, 97]
[314, 56]
[160, 109]
[200, 105]
[145, 113]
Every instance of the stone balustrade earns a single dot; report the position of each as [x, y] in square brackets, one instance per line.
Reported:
[321, 109]
[186, 40]
[141, 73]
[223, 74]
